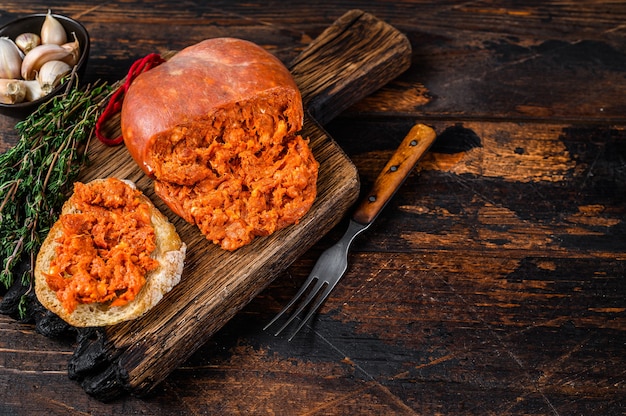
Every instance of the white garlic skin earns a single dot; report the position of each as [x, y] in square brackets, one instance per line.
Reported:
[74, 49]
[10, 59]
[51, 73]
[27, 41]
[34, 59]
[12, 91]
[34, 64]
[33, 90]
[52, 31]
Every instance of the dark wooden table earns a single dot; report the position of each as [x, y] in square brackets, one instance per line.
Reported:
[493, 283]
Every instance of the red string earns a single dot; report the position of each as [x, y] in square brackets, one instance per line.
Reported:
[115, 103]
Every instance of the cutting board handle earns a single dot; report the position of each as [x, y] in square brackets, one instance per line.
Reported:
[352, 58]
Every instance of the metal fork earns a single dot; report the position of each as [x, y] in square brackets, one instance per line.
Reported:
[333, 262]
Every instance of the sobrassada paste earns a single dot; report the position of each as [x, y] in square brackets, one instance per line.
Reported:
[217, 127]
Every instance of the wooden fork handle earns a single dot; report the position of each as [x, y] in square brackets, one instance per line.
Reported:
[413, 146]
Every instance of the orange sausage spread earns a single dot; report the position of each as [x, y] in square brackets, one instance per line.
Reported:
[217, 127]
[104, 252]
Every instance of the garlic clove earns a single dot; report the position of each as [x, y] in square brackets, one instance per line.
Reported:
[33, 90]
[27, 41]
[40, 55]
[52, 31]
[51, 73]
[74, 49]
[10, 59]
[12, 91]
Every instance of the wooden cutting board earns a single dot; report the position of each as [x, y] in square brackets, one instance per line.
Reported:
[355, 56]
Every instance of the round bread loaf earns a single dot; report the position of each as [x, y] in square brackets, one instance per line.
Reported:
[217, 127]
[169, 253]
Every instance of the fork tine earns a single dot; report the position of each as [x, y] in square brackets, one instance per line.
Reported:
[293, 300]
[311, 295]
[321, 298]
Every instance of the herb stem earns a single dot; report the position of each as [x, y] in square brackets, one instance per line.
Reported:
[13, 189]
[38, 173]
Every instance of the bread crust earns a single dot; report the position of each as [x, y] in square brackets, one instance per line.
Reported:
[170, 253]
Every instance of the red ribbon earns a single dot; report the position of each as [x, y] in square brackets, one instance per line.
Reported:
[115, 103]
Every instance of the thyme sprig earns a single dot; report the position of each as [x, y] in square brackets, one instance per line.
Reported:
[37, 174]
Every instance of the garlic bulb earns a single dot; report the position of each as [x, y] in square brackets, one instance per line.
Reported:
[52, 31]
[33, 90]
[51, 73]
[74, 49]
[39, 56]
[12, 91]
[34, 64]
[10, 59]
[27, 41]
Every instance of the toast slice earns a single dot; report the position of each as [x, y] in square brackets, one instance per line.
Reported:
[169, 253]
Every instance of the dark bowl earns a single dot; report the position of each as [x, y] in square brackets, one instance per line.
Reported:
[32, 23]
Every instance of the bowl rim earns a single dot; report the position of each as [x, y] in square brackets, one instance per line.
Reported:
[81, 61]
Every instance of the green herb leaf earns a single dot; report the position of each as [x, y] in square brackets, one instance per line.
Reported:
[38, 173]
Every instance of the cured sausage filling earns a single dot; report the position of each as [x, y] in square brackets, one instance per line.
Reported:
[217, 126]
[104, 252]
[237, 176]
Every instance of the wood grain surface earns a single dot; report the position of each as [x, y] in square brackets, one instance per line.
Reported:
[493, 282]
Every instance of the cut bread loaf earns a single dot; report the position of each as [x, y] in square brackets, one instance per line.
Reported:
[169, 252]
